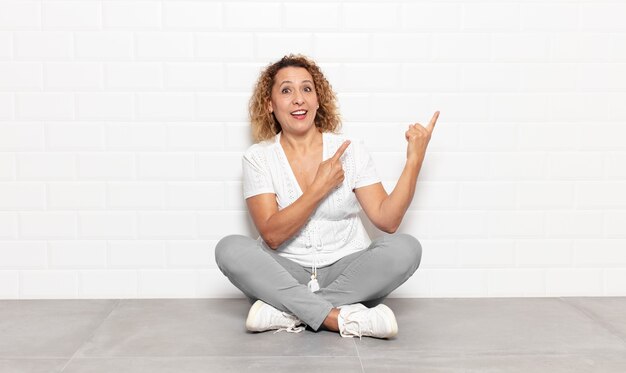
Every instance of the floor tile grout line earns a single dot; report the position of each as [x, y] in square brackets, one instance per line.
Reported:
[90, 336]
[598, 320]
[358, 354]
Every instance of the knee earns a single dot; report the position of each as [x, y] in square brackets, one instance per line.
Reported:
[408, 251]
[226, 249]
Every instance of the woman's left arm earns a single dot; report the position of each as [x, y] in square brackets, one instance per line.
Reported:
[387, 210]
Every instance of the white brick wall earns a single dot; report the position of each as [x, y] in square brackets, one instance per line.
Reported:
[122, 125]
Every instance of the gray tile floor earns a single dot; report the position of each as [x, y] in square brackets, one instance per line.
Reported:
[208, 335]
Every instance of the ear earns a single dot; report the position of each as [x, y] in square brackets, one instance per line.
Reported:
[270, 107]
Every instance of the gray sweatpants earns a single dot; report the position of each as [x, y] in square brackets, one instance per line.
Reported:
[367, 276]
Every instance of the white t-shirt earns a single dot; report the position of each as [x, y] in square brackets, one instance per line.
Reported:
[334, 230]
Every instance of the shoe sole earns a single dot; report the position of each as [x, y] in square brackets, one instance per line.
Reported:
[393, 324]
[252, 315]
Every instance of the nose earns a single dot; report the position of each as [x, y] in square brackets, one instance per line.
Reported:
[298, 99]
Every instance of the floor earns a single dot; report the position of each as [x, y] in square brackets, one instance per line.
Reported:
[208, 335]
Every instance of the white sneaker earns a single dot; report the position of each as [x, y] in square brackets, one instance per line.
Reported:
[264, 317]
[358, 320]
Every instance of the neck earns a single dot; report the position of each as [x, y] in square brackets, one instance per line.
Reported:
[301, 144]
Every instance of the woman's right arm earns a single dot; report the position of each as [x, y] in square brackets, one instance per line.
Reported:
[277, 226]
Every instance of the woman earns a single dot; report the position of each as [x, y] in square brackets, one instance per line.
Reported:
[304, 186]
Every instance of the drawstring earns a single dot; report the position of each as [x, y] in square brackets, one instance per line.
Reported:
[313, 285]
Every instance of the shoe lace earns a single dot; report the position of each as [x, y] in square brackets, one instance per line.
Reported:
[353, 324]
[294, 322]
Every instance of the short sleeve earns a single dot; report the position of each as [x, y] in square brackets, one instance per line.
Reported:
[256, 174]
[365, 169]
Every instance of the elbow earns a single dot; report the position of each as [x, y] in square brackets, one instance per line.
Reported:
[270, 241]
[389, 228]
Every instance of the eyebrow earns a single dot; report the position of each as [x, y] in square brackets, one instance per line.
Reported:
[289, 81]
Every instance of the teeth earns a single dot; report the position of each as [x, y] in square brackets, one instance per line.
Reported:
[299, 112]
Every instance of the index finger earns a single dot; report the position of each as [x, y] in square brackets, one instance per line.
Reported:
[341, 150]
[433, 120]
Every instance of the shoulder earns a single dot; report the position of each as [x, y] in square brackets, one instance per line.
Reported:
[260, 148]
[336, 139]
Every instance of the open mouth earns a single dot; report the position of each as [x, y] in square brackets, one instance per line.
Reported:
[299, 114]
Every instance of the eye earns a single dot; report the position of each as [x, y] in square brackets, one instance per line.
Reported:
[285, 90]
[308, 89]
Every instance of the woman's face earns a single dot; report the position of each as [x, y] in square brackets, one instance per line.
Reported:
[294, 100]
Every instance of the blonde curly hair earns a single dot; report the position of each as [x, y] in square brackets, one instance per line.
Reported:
[264, 123]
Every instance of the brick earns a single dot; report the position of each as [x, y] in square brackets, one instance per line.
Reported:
[7, 166]
[215, 225]
[6, 44]
[486, 137]
[8, 225]
[614, 162]
[166, 224]
[516, 224]
[132, 15]
[47, 225]
[22, 196]
[75, 136]
[574, 224]
[455, 167]
[575, 166]
[522, 166]
[333, 47]
[45, 106]
[182, 136]
[72, 76]
[131, 76]
[520, 107]
[521, 47]
[602, 77]
[600, 195]
[408, 108]
[457, 224]
[21, 76]
[491, 253]
[22, 136]
[220, 46]
[233, 198]
[578, 107]
[7, 106]
[552, 77]
[165, 106]
[23, 255]
[458, 282]
[543, 253]
[426, 77]
[488, 196]
[546, 195]
[46, 166]
[515, 283]
[20, 15]
[550, 16]
[455, 47]
[605, 16]
[435, 196]
[219, 166]
[136, 254]
[573, 282]
[77, 254]
[135, 195]
[107, 284]
[104, 45]
[614, 282]
[440, 254]
[618, 51]
[103, 106]
[48, 45]
[252, 16]
[106, 225]
[371, 77]
[192, 15]
[167, 283]
[168, 166]
[580, 47]
[191, 254]
[430, 17]
[136, 136]
[222, 107]
[370, 16]
[194, 76]
[311, 16]
[615, 221]
[274, 46]
[48, 284]
[599, 253]
[106, 166]
[491, 16]
[164, 45]
[71, 15]
[194, 196]
[490, 77]
[242, 77]
[76, 196]
[9, 284]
